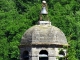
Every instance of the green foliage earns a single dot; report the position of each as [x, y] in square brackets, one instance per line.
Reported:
[18, 15]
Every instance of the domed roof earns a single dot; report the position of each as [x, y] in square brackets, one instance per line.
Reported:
[44, 35]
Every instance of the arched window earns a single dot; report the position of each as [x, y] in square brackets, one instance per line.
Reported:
[25, 55]
[61, 53]
[43, 55]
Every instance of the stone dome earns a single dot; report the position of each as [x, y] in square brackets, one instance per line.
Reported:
[44, 35]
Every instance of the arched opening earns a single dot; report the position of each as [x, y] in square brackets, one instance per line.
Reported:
[25, 55]
[43, 55]
[61, 53]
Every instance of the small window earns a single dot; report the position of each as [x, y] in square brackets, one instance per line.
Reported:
[25, 55]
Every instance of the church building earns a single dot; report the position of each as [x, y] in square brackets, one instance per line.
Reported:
[43, 41]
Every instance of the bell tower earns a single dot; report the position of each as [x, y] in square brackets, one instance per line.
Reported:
[43, 41]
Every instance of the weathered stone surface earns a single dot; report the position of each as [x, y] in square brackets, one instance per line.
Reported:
[44, 34]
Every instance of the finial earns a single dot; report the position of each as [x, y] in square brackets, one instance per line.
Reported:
[44, 1]
[44, 20]
[44, 8]
[43, 13]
